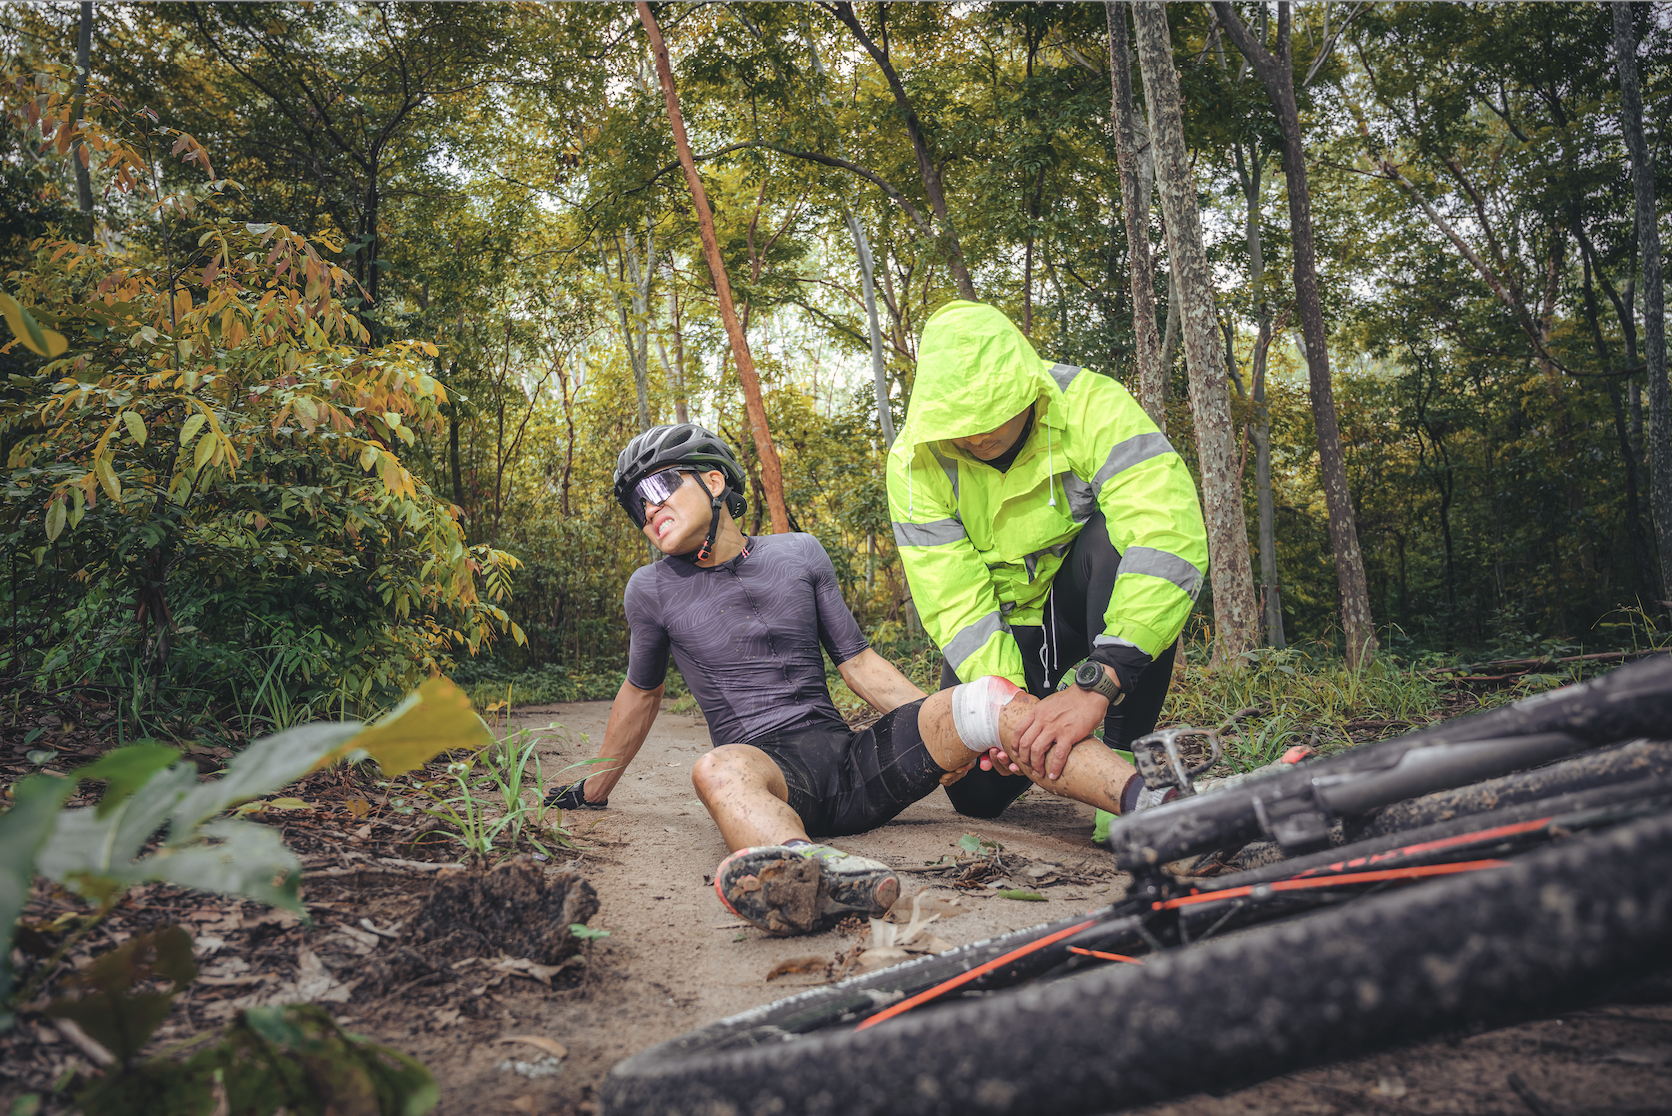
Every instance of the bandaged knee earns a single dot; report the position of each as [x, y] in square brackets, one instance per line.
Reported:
[976, 707]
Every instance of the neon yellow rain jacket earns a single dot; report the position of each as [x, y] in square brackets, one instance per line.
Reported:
[980, 547]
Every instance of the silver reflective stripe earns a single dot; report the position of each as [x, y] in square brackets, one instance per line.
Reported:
[971, 639]
[1138, 448]
[1082, 497]
[1158, 563]
[950, 467]
[936, 533]
[1064, 374]
[1112, 641]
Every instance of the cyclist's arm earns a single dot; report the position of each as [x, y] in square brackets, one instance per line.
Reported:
[631, 715]
[878, 681]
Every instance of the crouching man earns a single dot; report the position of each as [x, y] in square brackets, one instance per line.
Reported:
[744, 619]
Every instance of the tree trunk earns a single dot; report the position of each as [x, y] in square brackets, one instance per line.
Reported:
[1654, 293]
[1251, 173]
[1235, 617]
[1134, 203]
[681, 404]
[615, 276]
[926, 167]
[772, 476]
[1277, 73]
[638, 347]
[879, 368]
[83, 63]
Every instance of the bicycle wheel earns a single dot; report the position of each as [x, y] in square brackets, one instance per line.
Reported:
[1551, 931]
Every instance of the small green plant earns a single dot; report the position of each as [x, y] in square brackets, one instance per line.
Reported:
[586, 933]
[294, 1058]
[490, 807]
[975, 845]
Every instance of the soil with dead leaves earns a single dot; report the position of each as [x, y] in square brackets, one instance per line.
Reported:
[513, 1017]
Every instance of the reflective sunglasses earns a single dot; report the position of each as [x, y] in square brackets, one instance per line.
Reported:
[658, 488]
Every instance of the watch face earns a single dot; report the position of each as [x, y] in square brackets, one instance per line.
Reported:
[1087, 675]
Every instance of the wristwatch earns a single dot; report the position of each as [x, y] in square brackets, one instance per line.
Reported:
[1091, 676]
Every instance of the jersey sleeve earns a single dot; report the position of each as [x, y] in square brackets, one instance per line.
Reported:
[1154, 515]
[949, 582]
[648, 649]
[839, 632]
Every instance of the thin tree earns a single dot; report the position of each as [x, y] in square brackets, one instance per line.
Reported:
[1654, 291]
[1236, 619]
[928, 169]
[1134, 203]
[78, 150]
[1276, 72]
[772, 477]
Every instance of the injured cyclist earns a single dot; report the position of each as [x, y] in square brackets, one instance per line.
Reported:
[745, 619]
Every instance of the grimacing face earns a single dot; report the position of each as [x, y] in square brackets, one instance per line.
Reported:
[679, 524]
[994, 443]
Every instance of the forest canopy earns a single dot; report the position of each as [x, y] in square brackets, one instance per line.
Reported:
[330, 319]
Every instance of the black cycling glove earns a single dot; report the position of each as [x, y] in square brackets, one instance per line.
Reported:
[573, 797]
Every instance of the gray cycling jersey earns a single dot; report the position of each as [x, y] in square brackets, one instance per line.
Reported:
[745, 634]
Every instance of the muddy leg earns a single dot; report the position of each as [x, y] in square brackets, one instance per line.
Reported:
[747, 797]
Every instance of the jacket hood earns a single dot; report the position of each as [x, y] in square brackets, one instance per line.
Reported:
[975, 372]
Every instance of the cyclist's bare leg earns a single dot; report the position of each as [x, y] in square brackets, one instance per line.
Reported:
[1094, 775]
[746, 796]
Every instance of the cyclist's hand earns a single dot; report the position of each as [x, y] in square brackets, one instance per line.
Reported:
[1064, 718]
[951, 777]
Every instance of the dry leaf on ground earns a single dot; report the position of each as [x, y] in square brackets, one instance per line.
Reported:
[541, 1042]
[798, 965]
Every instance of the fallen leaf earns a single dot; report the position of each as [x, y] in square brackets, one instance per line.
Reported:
[522, 966]
[447, 1017]
[524, 1103]
[880, 958]
[1018, 894]
[925, 902]
[314, 982]
[798, 965]
[550, 1046]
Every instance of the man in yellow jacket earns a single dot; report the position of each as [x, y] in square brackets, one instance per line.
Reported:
[1042, 519]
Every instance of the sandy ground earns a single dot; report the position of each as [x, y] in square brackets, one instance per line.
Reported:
[676, 959]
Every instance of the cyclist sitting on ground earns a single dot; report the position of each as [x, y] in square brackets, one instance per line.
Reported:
[1042, 519]
[744, 619]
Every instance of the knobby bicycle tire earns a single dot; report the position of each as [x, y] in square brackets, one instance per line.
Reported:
[1548, 932]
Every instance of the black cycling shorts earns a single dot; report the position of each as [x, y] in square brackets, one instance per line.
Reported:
[848, 782]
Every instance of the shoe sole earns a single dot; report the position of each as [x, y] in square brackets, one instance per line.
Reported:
[787, 894]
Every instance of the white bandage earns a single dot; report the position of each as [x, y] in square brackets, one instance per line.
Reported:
[975, 710]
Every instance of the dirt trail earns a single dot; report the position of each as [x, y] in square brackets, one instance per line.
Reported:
[676, 959]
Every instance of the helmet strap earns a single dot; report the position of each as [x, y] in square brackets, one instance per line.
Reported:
[707, 546]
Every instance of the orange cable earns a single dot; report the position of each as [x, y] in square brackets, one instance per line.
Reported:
[1101, 956]
[1331, 881]
[1432, 846]
[965, 978]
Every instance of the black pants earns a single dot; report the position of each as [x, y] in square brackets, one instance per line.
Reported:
[1073, 617]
